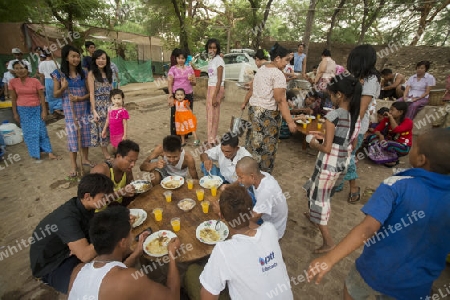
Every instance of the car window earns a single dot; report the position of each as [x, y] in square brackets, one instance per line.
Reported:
[241, 58]
[231, 59]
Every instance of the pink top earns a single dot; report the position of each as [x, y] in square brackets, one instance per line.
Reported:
[116, 116]
[27, 93]
[181, 78]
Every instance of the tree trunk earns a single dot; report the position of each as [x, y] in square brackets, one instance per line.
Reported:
[368, 20]
[180, 11]
[333, 21]
[309, 23]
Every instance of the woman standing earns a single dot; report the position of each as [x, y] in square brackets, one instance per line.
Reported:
[216, 90]
[267, 105]
[71, 85]
[28, 106]
[325, 71]
[100, 86]
[180, 76]
[418, 88]
[46, 67]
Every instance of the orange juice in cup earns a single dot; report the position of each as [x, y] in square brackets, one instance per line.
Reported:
[318, 117]
[214, 190]
[158, 214]
[304, 124]
[200, 194]
[175, 222]
[319, 125]
[205, 206]
[168, 196]
[190, 183]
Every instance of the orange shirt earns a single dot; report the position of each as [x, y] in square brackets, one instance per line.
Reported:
[27, 93]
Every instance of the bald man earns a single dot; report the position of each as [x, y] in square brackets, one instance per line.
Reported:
[271, 203]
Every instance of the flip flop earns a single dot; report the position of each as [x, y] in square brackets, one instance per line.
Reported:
[91, 164]
[72, 174]
[391, 164]
[55, 158]
[351, 196]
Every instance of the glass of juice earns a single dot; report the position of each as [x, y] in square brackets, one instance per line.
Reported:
[175, 222]
[214, 190]
[168, 196]
[190, 183]
[205, 206]
[158, 214]
[200, 194]
[319, 125]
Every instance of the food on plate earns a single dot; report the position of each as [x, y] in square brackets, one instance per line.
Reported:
[186, 204]
[141, 187]
[210, 183]
[209, 235]
[158, 246]
[171, 184]
[133, 219]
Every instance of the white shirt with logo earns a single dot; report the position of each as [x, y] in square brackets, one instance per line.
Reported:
[253, 267]
[271, 203]
[212, 70]
[227, 167]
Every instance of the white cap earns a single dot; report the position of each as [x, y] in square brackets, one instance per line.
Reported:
[16, 51]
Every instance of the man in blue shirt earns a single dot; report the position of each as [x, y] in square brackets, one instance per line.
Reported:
[300, 61]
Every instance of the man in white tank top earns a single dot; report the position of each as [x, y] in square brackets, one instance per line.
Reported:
[169, 159]
[106, 277]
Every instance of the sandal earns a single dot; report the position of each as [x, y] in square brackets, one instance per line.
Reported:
[91, 164]
[197, 143]
[72, 174]
[353, 198]
[391, 164]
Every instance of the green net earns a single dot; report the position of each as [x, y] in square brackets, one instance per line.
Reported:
[133, 71]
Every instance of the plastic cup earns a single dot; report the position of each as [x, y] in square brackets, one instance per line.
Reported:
[190, 183]
[200, 194]
[175, 222]
[304, 125]
[168, 196]
[319, 125]
[205, 206]
[318, 117]
[214, 190]
[158, 214]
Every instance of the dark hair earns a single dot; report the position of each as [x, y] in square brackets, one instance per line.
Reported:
[315, 66]
[125, 146]
[326, 53]
[94, 184]
[236, 203]
[172, 143]
[116, 92]
[87, 44]
[181, 52]
[385, 72]
[352, 89]
[436, 153]
[213, 41]
[262, 54]
[19, 63]
[425, 63]
[382, 110]
[173, 57]
[290, 95]
[278, 50]
[180, 89]
[108, 227]
[402, 106]
[96, 71]
[65, 64]
[361, 62]
[230, 139]
[301, 43]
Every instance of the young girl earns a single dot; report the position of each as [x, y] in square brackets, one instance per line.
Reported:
[397, 140]
[185, 121]
[116, 119]
[342, 127]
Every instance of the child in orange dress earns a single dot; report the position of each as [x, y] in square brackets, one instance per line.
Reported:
[185, 121]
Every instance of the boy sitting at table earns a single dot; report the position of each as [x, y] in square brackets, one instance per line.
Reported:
[271, 205]
[227, 154]
[310, 104]
[250, 263]
[169, 159]
[405, 230]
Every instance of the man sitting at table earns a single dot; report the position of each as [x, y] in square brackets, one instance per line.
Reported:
[60, 240]
[120, 171]
[169, 159]
[227, 154]
[250, 262]
[271, 203]
[106, 277]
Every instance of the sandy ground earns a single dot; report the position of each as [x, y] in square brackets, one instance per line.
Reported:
[29, 191]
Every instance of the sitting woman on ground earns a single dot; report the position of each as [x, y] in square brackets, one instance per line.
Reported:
[386, 149]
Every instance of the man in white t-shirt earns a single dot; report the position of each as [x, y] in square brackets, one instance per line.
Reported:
[227, 154]
[250, 263]
[271, 203]
[19, 57]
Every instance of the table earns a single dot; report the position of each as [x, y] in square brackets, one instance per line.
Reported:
[189, 220]
[310, 127]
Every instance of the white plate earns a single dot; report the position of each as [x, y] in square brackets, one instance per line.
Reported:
[141, 186]
[178, 180]
[311, 117]
[162, 233]
[188, 200]
[207, 182]
[301, 122]
[211, 224]
[327, 108]
[141, 216]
